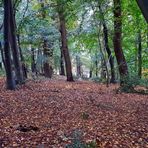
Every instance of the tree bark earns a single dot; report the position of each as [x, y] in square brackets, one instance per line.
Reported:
[48, 53]
[14, 47]
[110, 57]
[96, 66]
[2, 53]
[78, 65]
[33, 65]
[24, 68]
[65, 45]
[10, 82]
[62, 69]
[117, 41]
[90, 73]
[139, 55]
[106, 44]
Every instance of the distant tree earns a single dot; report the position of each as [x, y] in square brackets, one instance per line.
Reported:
[78, 66]
[139, 54]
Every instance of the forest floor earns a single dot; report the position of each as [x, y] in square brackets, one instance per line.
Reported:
[56, 113]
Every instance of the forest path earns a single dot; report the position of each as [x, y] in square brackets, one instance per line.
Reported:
[50, 112]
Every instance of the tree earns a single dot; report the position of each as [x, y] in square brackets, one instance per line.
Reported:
[10, 83]
[62, 69]
[139, 55]
[14, 46]
[64, 42]
[106, 45]
[143, 4]
[117, 41]
[78, 66]
[47, 52]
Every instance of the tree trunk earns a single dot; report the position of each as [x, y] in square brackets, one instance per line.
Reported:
[90, 73]
[62, 70]
[96, 65]
[117, 41]
[91, 69]
[48, 53]
[15, 52]
[33, 65]
[110, 57]
[103, 70]
[24, 69]
[106, 44]
[2, 53]
[78, 65]
[10, 82]
[65, 45]
[139, 55]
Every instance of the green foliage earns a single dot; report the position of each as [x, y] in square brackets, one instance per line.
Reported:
[130, 83]
[84, 28]
[144, 82]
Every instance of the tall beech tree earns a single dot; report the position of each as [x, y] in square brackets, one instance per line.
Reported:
[10, 83]
[14, 46]
[106, 45]
[117, 41]
[64, 42]
[47, 52]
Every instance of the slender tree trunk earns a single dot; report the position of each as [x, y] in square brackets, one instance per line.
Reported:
[90, 73]
[2, 54]
[91, 69]
[78, 65]
[10, 83]
[123, 69]
[65, 45]
[96, 65]
[24, 69]
[106, 44]
[15, 52]
[48, 71]
[33, 65]
[19, 47]
[105, 68]
[62, 70]
[139, 55]
[110, 57]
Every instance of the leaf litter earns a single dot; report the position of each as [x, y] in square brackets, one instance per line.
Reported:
[48, 112]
